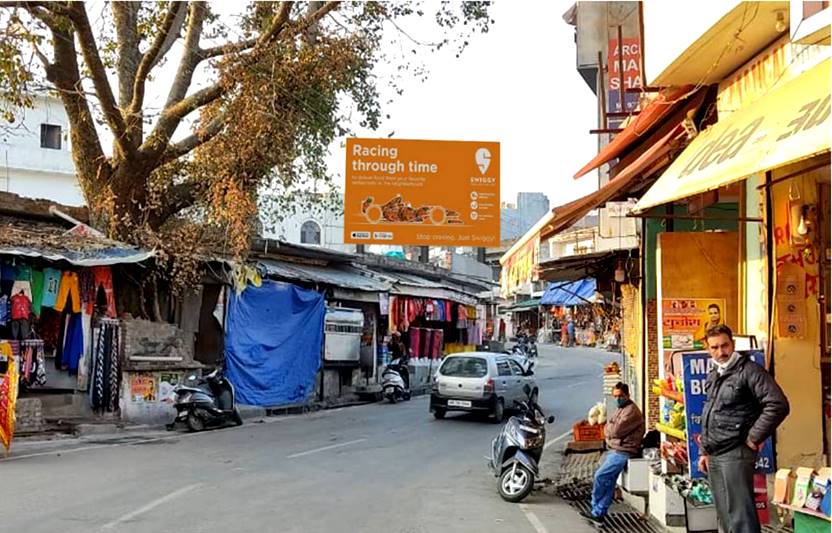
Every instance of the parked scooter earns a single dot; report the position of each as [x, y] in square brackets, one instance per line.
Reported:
[206, 402]
[394, 386]
[516, 452]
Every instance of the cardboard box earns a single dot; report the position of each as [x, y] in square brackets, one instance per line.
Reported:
[802, 486]
[819, 490]
[784, 486]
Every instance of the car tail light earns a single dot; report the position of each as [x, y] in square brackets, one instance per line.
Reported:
[489, 386]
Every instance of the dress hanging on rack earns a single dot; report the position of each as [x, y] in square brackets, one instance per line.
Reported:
[32, 364]
[106, 370]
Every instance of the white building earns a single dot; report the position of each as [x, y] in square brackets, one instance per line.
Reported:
[317, 225]
[36, 156]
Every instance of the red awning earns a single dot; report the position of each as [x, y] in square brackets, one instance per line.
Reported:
[651, 115]
[568, 214]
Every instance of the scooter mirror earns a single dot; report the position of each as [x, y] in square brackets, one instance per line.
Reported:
[551, 420]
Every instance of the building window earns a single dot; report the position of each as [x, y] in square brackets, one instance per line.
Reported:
[310, 233]
[50, 136]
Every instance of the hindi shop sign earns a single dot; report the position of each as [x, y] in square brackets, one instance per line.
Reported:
[427, 193]
[697, 365]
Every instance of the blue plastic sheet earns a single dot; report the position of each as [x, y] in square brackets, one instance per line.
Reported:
[274, 335]
[579, 292]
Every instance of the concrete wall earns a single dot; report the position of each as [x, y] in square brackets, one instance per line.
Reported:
[797, 360]
[331, 224]
[34, 172]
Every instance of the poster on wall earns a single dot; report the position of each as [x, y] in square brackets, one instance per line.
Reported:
[420, 192]
[142, 387]
[686, 320]
[697, 365]
[167, 383]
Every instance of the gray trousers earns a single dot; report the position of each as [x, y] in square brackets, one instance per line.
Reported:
[731, 476]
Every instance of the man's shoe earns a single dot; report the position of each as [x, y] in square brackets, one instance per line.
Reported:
[591, 517]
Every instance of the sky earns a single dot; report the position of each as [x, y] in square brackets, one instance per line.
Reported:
[517, 85]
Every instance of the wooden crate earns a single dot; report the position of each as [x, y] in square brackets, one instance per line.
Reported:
[585, 432]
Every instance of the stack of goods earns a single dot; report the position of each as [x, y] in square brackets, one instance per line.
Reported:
[591, 429]
[672, 417]
[675, 452]
[697, 491]
[804, 489]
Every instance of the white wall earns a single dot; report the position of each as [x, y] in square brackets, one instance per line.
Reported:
[671, 27]
[34, 172]
[331, 224]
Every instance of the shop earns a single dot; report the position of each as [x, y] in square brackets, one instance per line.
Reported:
[59, 319]
[756, 220]
[595, 322]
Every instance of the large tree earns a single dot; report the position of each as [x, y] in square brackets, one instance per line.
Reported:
[185, 111]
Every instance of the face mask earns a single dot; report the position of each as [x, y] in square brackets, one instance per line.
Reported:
[621, 402]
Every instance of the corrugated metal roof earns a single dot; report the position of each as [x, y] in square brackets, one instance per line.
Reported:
[344, 276]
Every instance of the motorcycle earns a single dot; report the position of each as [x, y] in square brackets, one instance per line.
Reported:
[532, 347]
[516, 452]
[393, 385]
[206, 402]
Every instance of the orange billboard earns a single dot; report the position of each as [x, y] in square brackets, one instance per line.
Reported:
[418, 192]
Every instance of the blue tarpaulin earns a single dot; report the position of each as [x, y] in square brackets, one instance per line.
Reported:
[274, 335]
[579, 292]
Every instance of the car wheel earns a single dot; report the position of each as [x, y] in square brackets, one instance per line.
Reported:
[499, 412]
[439, 414]
[236, 418]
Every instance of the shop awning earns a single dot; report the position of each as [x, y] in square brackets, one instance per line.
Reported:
[788, 124]
[579, 292]
[650, 116]
[525, 305]
[342, 276]
[577, 267]
[406, 284]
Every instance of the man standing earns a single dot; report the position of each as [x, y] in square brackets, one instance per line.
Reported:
[743, 408]
[570, 330]
[623, 432]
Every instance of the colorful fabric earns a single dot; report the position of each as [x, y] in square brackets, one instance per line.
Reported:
[24, 273]
[21, 304]
[51, 286]
[8, 396]
[73, 344]
[69, 289]
[102, 277]
[8, 275]
[37, 291]
[5, 310]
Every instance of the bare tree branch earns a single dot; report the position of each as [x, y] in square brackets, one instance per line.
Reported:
[277, 24]
[168, 122]
[89, 50]
[178, 197]
[64, 74]
[126, 15]
[161, 44]
[226, 49]
[191, 142]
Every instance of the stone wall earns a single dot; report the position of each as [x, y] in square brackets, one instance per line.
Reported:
[143, 338]
[29, 415]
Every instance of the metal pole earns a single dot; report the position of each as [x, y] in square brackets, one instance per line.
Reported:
[620, 69]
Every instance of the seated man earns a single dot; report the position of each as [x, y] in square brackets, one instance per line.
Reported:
[623, 432]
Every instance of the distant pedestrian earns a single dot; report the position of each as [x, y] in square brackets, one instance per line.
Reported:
[624, 432]
[564, 334]
[570, 330]
[743, 408]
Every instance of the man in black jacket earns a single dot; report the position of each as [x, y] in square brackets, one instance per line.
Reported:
[743, 408]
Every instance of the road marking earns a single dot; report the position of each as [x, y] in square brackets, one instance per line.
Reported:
[150, 506]
[557, 439]
[325, 448]
[533, 519]
[579, 383]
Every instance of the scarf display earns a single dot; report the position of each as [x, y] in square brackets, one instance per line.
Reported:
[104, 382]
[8, 396]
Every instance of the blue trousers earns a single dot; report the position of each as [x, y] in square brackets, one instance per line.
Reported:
[603, 488]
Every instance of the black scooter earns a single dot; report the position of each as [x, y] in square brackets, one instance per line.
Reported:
[208, 402]
[516, 452]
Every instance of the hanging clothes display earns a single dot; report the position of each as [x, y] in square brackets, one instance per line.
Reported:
[8, 395]
[106, 368]
[73, 344]
[33, 364]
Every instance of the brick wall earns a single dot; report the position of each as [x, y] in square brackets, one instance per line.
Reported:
[652, 317]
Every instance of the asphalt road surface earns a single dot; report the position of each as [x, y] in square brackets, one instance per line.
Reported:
[373, 468]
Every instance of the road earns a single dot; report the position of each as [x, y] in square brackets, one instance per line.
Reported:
[371, 468]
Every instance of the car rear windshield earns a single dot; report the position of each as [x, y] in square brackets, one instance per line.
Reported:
[465, 367]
